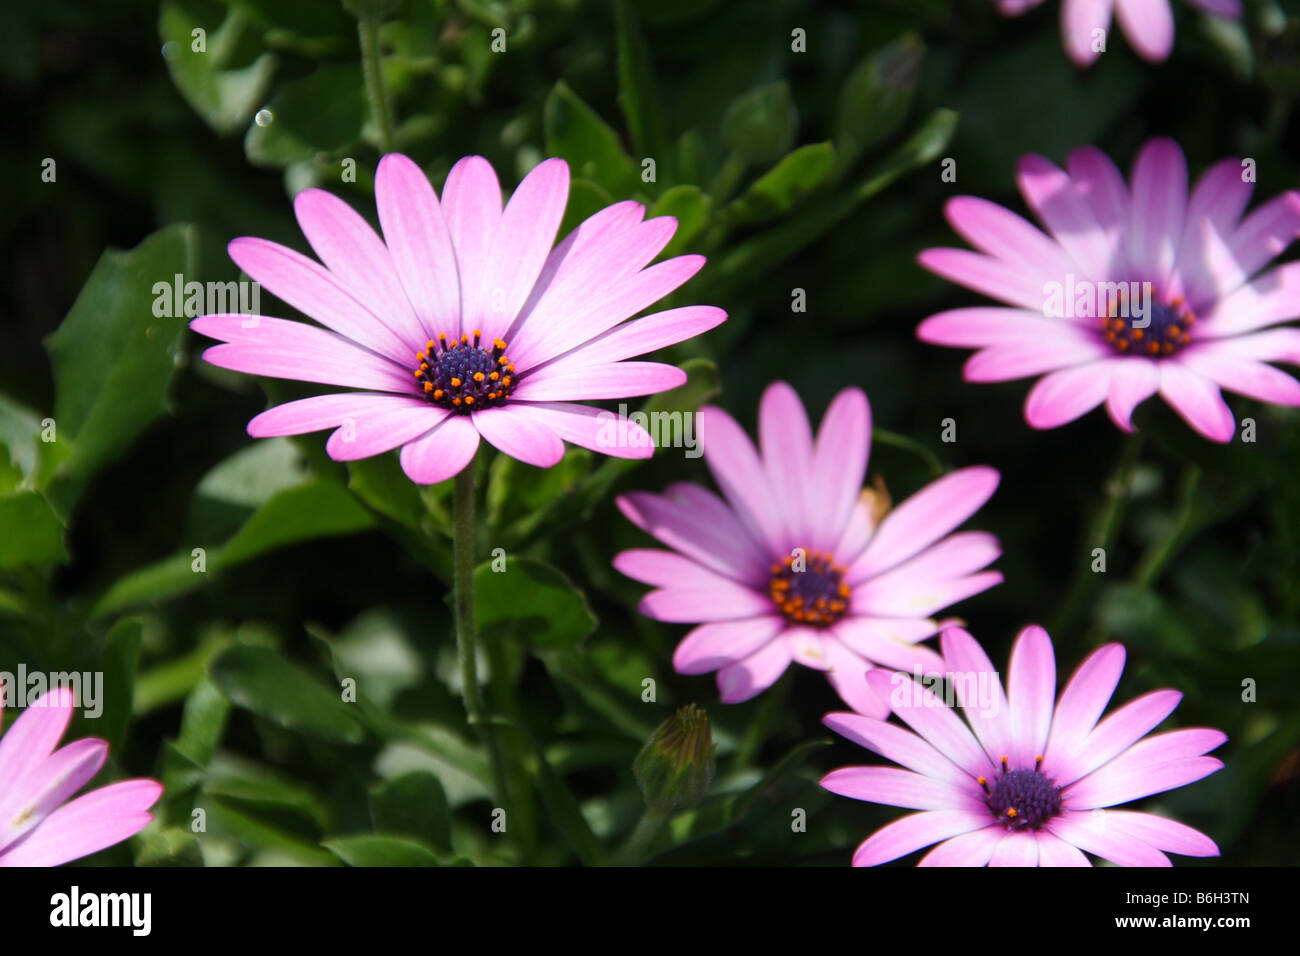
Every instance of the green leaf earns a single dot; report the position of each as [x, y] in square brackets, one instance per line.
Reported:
[564, 812]
[530, 601]
[380, 482]
[638, 95]
[785, 184]
[322, 112]
[577, 134]
[260, 680]
[759, 126]
[373, 850]
[230, 493]
[877, 96]
[119, 661]
[32, 534]
[691, 206]
[19, 429]
[174, 846]
[316, 509]
[202, 722]
[225, 97]
[257, 789]
[100, 406]
[416, 805]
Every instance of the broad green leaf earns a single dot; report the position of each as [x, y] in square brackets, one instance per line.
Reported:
[563, 811]
[321, 112]
[231, 491]
[225, 96]
[376, 850]
[530, 601]
[31, 534]
[100, 406]
[416, 805]
[691, 206]
[259, 679]
[203, 721]
[255, 788]
[592, 149]
[638, 95]
[118, 662]
[759, 126]
[785, 184]
[264, 838]
[380, 482]
[20, 429]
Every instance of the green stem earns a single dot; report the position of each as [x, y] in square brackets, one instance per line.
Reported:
[1154, 561]
[368, 28]
[643, 837]
[466, 637]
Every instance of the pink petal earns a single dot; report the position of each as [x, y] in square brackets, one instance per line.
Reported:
[839, 465]
[1213, 212]
[1017, 848]
[515, 432]
[755, 674]
[87, 825]
[1264, 234]
[714, 598]
[973, 675]
[898, 788]
[1271, 298]
[808, 646]
[441, 453]
[1006, 361]
[739, 472]
[1244, 376]
[1092, 832]
[382, 428]
[1079, 20]
[419, 243]
[891, 642]
[1053, 851]
[644, 335]
[915, 831]
[994, 278]
[1102, 189]
[697, 523]
[920, 598]
[561, 383]
[1148, 26]
[322, 411]
[1002, 234]
[848, 675]
[1133, 380]
[1162, 833]
[661, 569]
[1198, 401]
[1061, 206]
[46, 785]
[918, 707]
[1082, 702]
[787, 450]
[594, 428]
[1122, 781]
[34, 734]
[1061, 397]
[900, 746]
[471, 202]
[1115, 734]
[710, 647]
[981, 326]
[1158, 206]
[969, 849]
[955, 556]
[1031, 692]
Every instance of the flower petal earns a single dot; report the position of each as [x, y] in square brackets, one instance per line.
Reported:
[710, 647]
[1082, 702]
[969, 849]
[87, 825]
[515, 432]
[1061, 397]
[1031, 693]
[915, 831]
[1198, 401]
[1091, 832]
[471, 203]
[755, 674]
[1158, 207]
[1016, 848]
[442, 452]
[899, 788]
[696, 522]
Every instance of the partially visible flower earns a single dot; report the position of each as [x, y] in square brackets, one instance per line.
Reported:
[1148, 24]
[676, 765]
[463, 322]
[1137, 290]
[795, 564]
[1025, 784]
[39, 825]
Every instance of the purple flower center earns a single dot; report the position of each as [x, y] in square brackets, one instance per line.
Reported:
[1022, 799]
[1163, 329]
[464, 377]
[808, 588]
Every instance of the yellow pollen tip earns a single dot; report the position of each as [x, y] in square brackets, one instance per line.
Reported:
[455, 383]
[438, 394]
[1011, 812]
[469, 399]
[428, 386]
[503, 361]
[455, 401]
[478, 376]
[494, 376]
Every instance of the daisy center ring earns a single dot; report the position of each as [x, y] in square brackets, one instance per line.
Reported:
[463, 376]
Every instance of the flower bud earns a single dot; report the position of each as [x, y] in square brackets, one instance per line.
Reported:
[675, 767]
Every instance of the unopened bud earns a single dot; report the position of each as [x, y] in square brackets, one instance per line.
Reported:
[675, 767]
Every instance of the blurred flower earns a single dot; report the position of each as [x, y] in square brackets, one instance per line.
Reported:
[463, 321]
[37, 826]
[1136, 291]
[675, 767]
[793, 566]
[1148, 24]
[1024, 785]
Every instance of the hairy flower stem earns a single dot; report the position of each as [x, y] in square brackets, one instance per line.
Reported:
[368, 29]
[643, 837]
[466, 637]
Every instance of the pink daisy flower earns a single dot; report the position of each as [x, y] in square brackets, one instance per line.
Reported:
[1148, 24]
[794, 564]
[37, 826]
[462, 322]
[1025, 784]
[1137, 290]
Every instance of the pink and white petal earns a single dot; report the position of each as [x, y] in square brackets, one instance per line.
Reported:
[920, 598]
[383, 428]
[1031, 692]
[1133, 379]
[523, 242]
[471, 203]
[918, 707]
[321, 411]
[663, 569]
[90, 823]
[998, 232]
[859, 527]
[1053, 851]
[1060, 397]
[979, 690]
[1016, 848]
[1214, 209]
[1148, 26]
[1244, 376]
[924, 518]
[1158, 207]
[1101, 186]
[716, 599]
[1082, 702]
[969, 849]
[1079, 21]
[696, 522]
[1053, 196]
[419, 242]
[900, 746]
[561, 383]
[359, 259]
[985, 325]
[1122, 781]
[1007, 361]
[34, 734]
[890, 642]
[644, 335]
[915, 831]
[710, 647]
[1162, 833]
[1271, 298]
[515, 432]
[1264, 234]
[756, 673]
[1115, 733]
[739, 472]
[1273, 345]
[594, 428]
[1093, 833]
[992, 277]
[1197, 400]
[839, 465]
[848, 676]
[46, 785]
[899, 788]
[956, 555]
[314, 291]
[442, 452]
[786, 449]
[807, 646]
